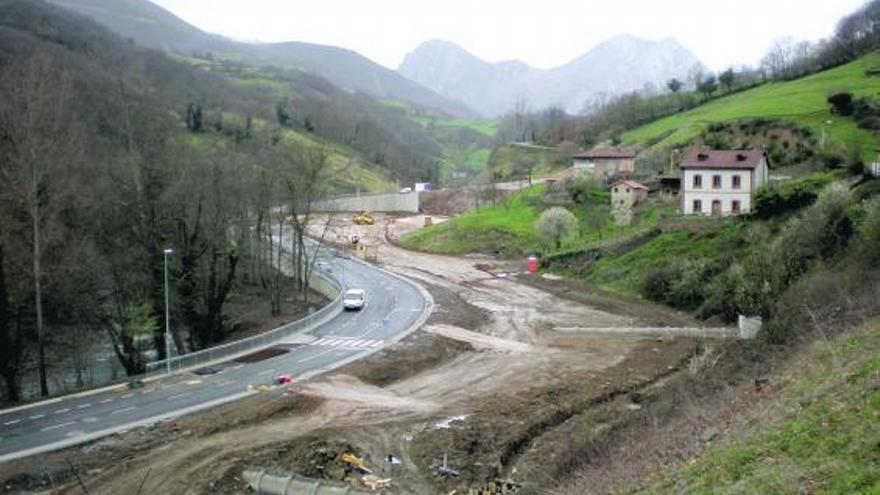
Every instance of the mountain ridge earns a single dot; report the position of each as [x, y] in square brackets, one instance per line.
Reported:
[155, 27]
[495, 88]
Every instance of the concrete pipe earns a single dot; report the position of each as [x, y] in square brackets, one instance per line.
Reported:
[268, 484]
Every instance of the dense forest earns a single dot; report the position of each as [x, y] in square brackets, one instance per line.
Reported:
[110, 153]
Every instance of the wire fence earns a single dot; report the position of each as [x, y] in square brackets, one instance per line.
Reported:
[322, 283]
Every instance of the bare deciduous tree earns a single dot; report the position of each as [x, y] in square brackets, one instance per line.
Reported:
[44, 145]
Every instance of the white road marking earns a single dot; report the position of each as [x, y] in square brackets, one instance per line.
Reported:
[106, 401]
[83, 406]
[126, 396]
[266, 372]
[225, 383]
[11, 422]
[120, 411]
[174, 397]
[351, 343]
[37, 416]
[62, 425]
[61, 411]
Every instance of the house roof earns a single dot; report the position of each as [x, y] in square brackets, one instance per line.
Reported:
[633, 184]
[619, 153]
[744, 159]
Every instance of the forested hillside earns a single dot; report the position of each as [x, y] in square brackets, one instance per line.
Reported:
[109, 153]
[152, 26]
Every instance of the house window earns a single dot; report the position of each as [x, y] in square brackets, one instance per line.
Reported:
[698, 182]
[716, 182]
[737, 182]
[735, 207]
[698, 206]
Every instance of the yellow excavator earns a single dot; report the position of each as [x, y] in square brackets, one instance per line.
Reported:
[363, 218]
[355, 462]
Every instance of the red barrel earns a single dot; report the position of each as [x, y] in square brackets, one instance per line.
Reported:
[533, 264]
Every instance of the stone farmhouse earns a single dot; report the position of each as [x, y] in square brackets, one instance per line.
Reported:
[628, 193]
[603, 163]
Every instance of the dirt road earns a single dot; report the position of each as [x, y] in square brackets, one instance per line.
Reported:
[484, 381]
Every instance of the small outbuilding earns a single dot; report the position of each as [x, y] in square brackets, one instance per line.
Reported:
[628, 193]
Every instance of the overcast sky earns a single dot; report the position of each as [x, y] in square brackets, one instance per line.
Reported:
[543, 33]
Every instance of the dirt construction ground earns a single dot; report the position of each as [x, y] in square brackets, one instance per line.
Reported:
[489, 381]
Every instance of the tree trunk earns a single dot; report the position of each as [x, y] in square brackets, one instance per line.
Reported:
[10, 347]
[38, 289]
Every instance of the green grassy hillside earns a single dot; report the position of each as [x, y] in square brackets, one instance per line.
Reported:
[512, 161]
[802, 101]
[429, 119]
[508, 227]
[467, 142]
[819, 434]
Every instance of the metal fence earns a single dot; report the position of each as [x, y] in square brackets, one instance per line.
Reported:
[320, 282]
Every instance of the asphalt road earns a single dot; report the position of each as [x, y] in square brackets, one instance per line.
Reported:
[393, 308]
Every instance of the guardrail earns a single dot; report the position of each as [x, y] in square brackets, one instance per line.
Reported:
[320, 282]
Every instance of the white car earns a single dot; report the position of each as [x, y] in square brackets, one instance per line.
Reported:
[354, 299]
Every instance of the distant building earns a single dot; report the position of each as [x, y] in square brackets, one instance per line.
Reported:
[628, 193]
[669, 188]
[721, 183]
[606, 162]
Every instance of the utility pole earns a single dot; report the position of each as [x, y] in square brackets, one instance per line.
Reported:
[168, 252]
[822, 139]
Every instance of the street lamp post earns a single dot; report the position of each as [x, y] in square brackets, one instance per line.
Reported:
[168, 252]
[822, 140]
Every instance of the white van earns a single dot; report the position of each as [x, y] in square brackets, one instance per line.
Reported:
[354, 299]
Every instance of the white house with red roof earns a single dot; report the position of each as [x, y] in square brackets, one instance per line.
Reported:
[721, 182]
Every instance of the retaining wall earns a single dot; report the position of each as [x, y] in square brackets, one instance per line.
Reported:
[392, 202]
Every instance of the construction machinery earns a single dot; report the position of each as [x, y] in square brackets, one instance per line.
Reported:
[355, 462]
[363, 218]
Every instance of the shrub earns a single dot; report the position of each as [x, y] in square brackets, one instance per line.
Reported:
[871, 123]
[681, 285]
[584, 189]
[867, 247]
[657, 283]
[841, 103]
[771, 201]
[831, 160]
